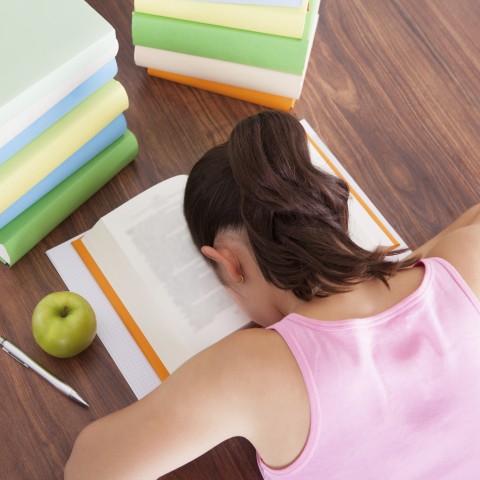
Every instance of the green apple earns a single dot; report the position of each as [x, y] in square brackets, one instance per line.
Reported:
[63, 324]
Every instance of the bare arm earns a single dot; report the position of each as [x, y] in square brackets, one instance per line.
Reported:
[459, 244]
[235, 388]
[470, 217]
[183, 418]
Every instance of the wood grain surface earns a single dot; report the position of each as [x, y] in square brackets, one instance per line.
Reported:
[392, 88]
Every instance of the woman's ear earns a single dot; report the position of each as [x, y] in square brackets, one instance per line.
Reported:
[227, 261]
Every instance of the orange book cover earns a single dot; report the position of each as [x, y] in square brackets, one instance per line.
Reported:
[359, 197]
[269, 100]
[121, 310]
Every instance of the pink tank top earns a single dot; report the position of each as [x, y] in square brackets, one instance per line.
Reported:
[395, 396]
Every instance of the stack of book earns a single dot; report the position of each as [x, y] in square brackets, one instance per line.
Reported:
[256, 53]
[62, 131]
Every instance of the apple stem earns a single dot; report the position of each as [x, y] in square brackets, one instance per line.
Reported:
[65, 311]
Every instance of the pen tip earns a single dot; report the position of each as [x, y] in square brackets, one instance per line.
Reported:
[75, 396]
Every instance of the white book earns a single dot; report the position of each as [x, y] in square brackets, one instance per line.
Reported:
[144, 250]
[243, 76]
[18, 123]
[238, 75]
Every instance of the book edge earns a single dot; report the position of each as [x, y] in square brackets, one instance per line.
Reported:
[121, 310]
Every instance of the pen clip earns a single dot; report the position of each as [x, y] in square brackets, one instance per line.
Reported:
[13, 356]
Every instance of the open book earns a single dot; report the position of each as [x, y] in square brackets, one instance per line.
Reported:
[142, 256]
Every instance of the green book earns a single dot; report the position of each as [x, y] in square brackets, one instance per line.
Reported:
[232, 45]
[24, 232]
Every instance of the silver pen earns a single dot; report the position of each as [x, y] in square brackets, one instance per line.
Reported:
[26, 361]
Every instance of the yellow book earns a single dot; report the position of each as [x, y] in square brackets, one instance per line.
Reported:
[283, 21]
[260, 98]
[34, 162]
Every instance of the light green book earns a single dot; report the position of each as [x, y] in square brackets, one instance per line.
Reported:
[29, 228]
[232, 45]
[44, 44]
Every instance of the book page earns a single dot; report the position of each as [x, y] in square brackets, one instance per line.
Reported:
[167, 286]
[123, 349]
[163, 242]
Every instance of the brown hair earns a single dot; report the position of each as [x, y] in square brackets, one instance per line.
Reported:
[295, 215]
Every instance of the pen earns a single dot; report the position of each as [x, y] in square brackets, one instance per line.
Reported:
[26, 361]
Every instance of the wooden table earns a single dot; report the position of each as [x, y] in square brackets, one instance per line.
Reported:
[392, 88]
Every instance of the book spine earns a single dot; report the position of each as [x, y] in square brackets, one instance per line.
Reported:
[22, 234]
[282, 21]
[232, 45]
[235, 74]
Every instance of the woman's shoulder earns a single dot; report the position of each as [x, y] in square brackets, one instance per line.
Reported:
[260, 366]
[262, 350]
[461, 248]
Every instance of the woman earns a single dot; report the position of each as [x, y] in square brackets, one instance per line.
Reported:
[367, 369]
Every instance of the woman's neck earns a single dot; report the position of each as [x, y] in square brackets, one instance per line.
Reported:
[364, 300]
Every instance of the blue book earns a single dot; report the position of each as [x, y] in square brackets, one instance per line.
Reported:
[91, 149]
[77, 96]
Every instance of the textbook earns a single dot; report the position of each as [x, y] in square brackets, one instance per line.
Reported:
[25, 231]
[162, 291]
[34, 162]
[37, 74]
[232, 45]
[284, 21]
[229, 73]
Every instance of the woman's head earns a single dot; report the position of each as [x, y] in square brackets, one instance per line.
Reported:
[262, 183]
